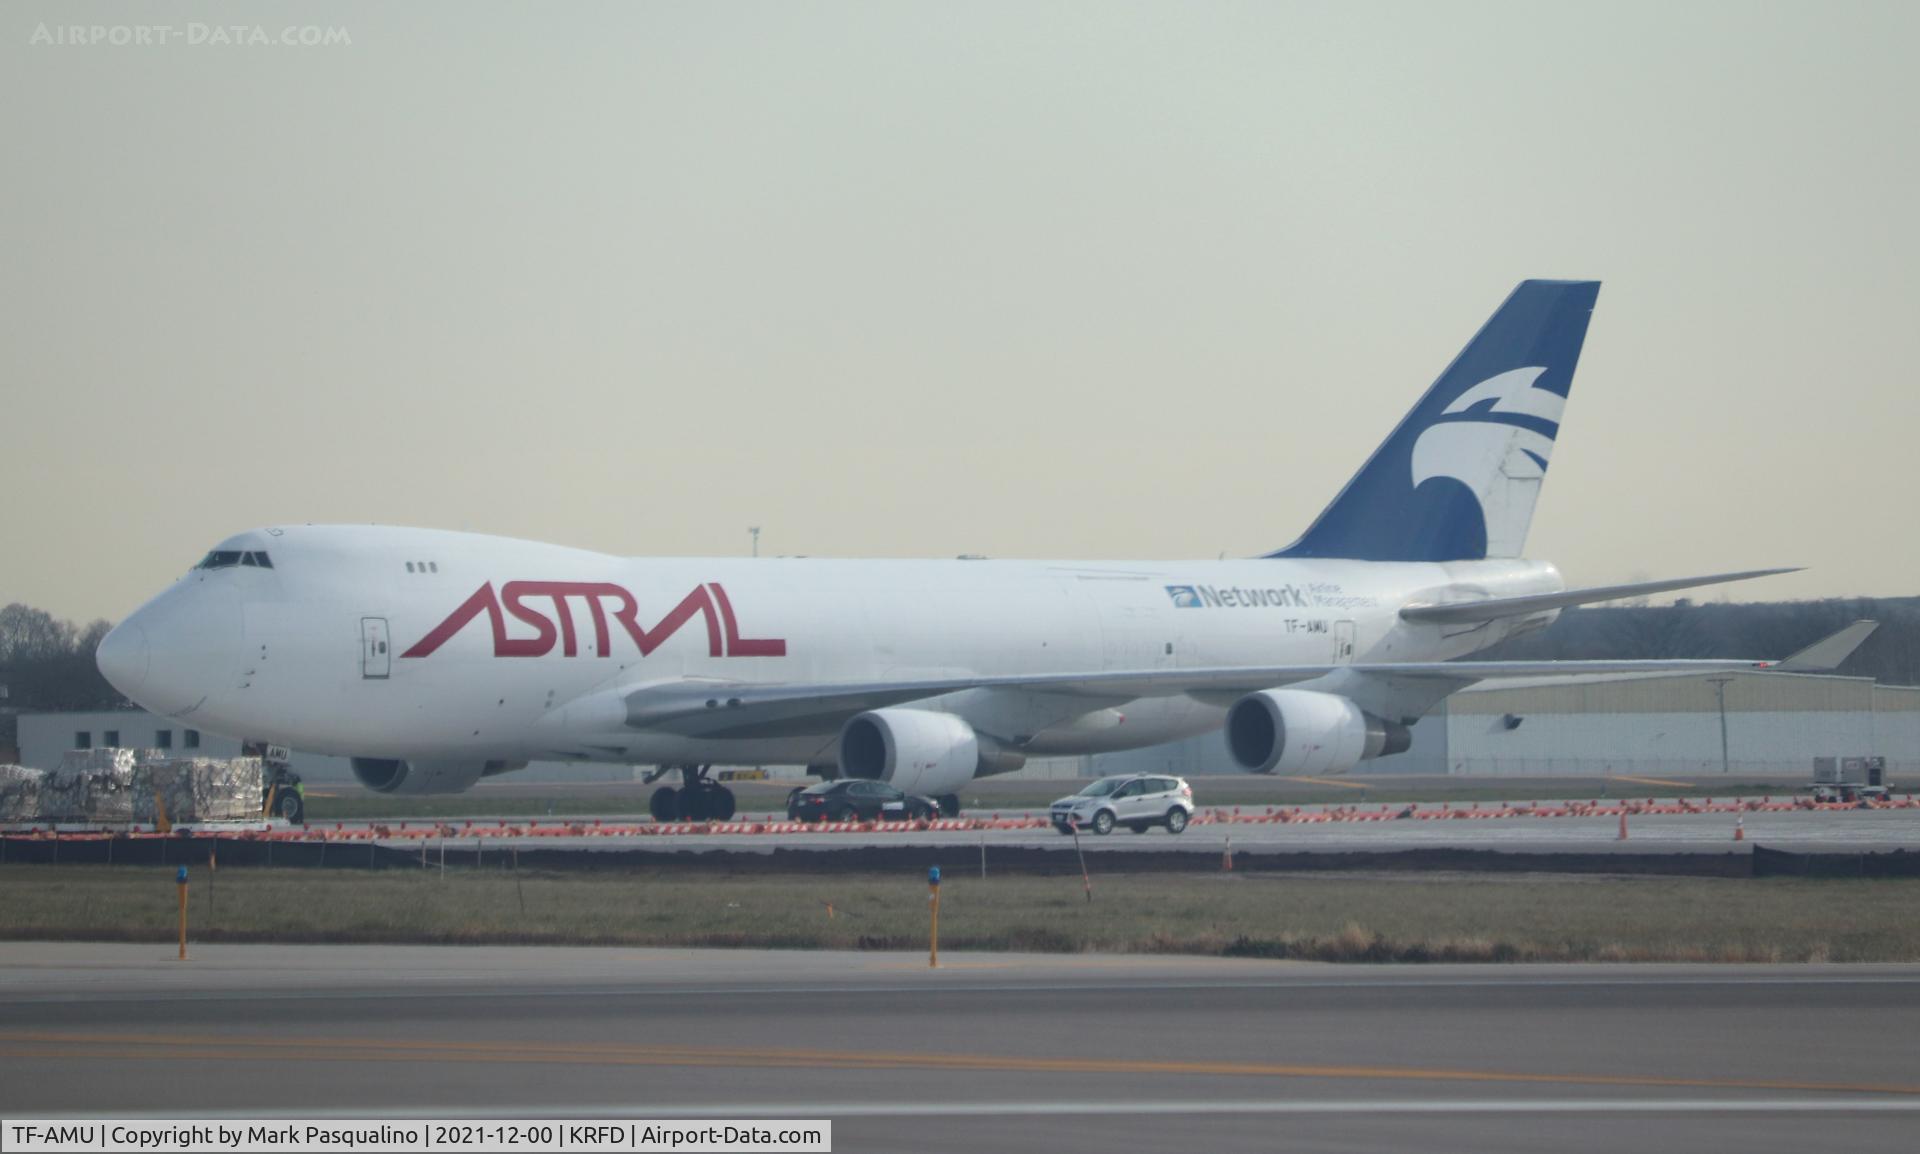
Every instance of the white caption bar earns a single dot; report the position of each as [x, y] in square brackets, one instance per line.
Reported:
[758, 1135]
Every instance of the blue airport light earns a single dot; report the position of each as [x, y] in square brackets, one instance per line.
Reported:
[933, 875]
[180, 875]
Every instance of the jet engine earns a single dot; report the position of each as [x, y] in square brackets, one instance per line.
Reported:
[915, 750]
[413, 777]
[1302, 731]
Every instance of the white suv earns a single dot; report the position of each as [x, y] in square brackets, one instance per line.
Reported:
[1135, 800]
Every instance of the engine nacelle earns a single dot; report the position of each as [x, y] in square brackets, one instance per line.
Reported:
[382, 775]
[1305, 732]
[915, 750]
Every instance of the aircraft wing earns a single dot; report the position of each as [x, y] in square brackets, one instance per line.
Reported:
[701, 708]
[742, 710]
[1494, 608]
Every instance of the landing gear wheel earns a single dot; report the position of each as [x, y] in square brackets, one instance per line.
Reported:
[1103, 822]
[949, 804]
[291, 806]
[1176, 820]
[697, 799]
[1064, 830]
[1137, 826]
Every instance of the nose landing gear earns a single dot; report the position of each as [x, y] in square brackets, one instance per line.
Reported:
[284, 795]
[697, 799]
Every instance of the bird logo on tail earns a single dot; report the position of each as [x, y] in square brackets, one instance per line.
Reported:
[1498, 451]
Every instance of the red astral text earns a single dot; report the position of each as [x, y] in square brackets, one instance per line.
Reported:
[605, 602]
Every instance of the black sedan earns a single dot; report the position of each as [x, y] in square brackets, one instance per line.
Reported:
[849, 800]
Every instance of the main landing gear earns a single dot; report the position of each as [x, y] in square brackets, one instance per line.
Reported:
[696, 800]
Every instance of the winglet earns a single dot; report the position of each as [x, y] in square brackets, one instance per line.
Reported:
[1826, 654]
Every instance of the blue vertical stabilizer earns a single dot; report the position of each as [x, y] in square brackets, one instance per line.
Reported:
[1458, 478]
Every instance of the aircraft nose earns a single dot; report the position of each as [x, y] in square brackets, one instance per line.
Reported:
[122, 658]
[175, 652]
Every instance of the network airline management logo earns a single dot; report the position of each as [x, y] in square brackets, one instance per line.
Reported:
[1236, 596]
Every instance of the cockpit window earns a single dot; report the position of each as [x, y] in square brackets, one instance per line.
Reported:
[228, 558]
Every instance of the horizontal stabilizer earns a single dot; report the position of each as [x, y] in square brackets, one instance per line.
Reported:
[1494, 608]
[1826, 654]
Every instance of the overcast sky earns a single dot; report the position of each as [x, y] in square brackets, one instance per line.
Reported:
[1089, 280]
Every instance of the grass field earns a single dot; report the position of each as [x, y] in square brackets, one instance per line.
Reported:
[1338, 918]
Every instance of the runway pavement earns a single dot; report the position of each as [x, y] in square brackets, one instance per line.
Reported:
[1060, 1053]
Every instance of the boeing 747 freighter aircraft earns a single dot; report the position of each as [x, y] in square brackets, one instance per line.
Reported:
[433, 659]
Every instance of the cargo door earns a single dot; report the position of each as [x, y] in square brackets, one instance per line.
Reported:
[375, 659]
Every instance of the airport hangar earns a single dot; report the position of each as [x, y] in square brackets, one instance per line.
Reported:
[1747, 722]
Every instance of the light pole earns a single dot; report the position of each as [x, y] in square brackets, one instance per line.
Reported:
[755, 531]
[1720, 692]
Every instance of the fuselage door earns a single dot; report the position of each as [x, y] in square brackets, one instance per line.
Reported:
[1343, 643]
[375, 659]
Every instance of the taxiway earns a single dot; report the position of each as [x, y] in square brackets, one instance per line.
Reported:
[1063, 1053]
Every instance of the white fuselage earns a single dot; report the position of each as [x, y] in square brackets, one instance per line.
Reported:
[382, 642]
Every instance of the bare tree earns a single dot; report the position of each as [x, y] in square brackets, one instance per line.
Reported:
[28, 635]
[49, 663]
